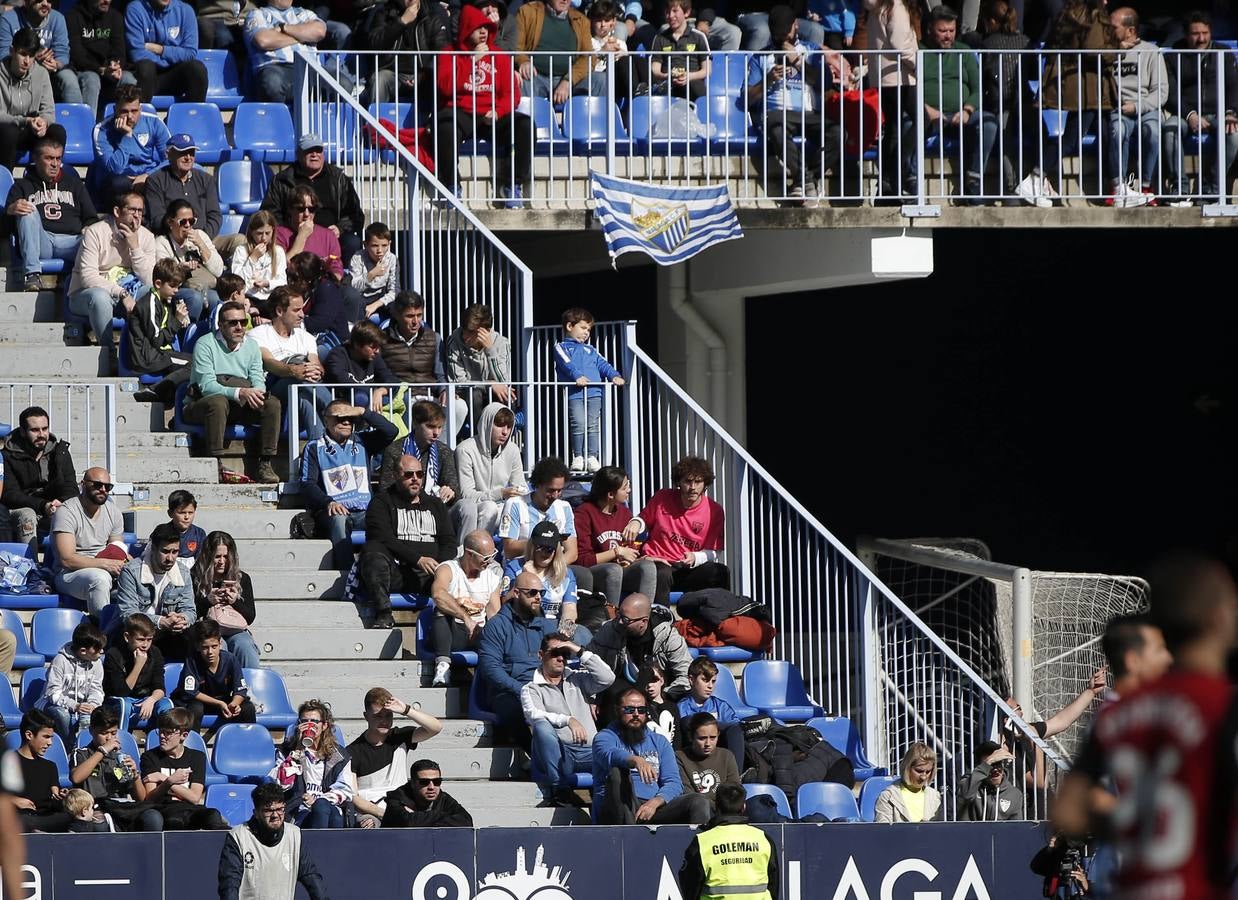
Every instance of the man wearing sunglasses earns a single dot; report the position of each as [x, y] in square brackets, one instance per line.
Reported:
[466, 595]
[642, 634]
[408, 534]
[422, 803]
[635, 773]
[88, 537]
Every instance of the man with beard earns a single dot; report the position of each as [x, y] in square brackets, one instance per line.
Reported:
[263, 858]
[642, 634]
[38, 474]
[422, 803]
[87, 537]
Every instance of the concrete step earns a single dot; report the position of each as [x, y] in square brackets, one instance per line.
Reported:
[20, 307]
[505, 795]
[346, 701]
[264, 553]
[341, 644]
[144, 467]
[527, 818]
[155, 442]
[65, 363]
[297, 584]
[474, 764]
[307, 614]
[33, 334]
[456, 733]
[400, 676]
[245, 516]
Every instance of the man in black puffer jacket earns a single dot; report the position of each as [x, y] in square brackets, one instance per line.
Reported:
[39, 474]
[421, 803]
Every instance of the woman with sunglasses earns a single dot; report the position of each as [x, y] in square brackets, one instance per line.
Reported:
[313, 770]
[547, 559]
[224, 593]
[180, 239]
[299, 233]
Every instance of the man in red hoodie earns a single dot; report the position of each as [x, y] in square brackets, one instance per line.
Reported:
[478, 96]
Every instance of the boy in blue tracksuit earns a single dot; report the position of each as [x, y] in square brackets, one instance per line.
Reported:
[162, 38]
[212, 681]
[578, 361]
[128, 146]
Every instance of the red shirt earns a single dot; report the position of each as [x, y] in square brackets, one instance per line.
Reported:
[597, 532]
[674, 530]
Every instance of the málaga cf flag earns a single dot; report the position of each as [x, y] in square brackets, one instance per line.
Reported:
[670, 224]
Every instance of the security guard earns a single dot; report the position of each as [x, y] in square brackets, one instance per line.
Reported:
[729, 858]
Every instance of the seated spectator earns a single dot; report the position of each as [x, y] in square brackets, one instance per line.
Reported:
[180, 239]
[1143, 91]
[162, 36]
[335, 473]
[97, 52]
[496, 12]
[704, 764]
[221, 25]
[133, 670]
[268, 838]
[375, 271]
[1000, 76]
[175, 777]
[663, 712]
[222, 360]
[642, 635]
[553, 50]
[913, 798]
[581, 366]
[182, 508]
[329, 312]
[313, 770]
[402, 25]
[635, 774]
[181, 180]
[478, 100]
[411, 349]
[490, 469]
[684, 531]
[421, 802]
[703, 678]
[88, 540]
[157, 584]
[466, 594]
[556, 709]
[225, 593]
[679, 61]
[1195, 110]
[260, 261]
[115, 265]
[522, 512]
[986, 793]
[27, 111]
[212, 679]
[39, 474]
[75, 682]
[87, 819]
[290, 357]
[608, 44]
[111, 777]
[407, 535]
[476, 352]
[302, 233]
[507, 655]
[38, 802]
[359, 361]
[546, 558]
[616, 566]
[48, 208]
[129, 147]
[270, 33]
[423, 443]
[157, 320]
[336, 204]
[379, 757]
[53, 50]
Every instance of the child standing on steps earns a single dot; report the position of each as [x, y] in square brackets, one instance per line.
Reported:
[578, 361]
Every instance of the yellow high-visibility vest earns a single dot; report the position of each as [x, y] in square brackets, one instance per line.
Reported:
[735, 859]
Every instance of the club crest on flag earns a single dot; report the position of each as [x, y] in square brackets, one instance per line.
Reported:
[662, 224]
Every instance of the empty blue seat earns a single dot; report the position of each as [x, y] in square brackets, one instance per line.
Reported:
[55, 753]
[828, 798]
[726, 689]
[771, 790]
[231, 224]
[578, 781]
[870, 791]
[776, 689]
[25, 657]
[223, 80]
[402, 115]
[336, 124]
[162, 102]
[243, 753]
[33, 681]
[727, 654]
[650, 116]
[204, 122]
[548, 139]
[588, 120]
[841, 734]
[477, 700]
[264, 131]
[10, 712]
[242, 185]
[425, 652]
[194, 741]
[234, 801]
[78, 121]
[732, 129]
[171, 676]
[728, 75]
[52, 628]
[268, 690]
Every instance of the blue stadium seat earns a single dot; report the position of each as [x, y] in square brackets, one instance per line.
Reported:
[267, 689]
[122, 358]
[242, 185]
[728, 76]
[732, 130]
[10, 712]
[234, 801]
[243, 753]
[194, 741]
[580, 780]
[586, 120]
[869, 792]
[336, 124]
[424, 651]
[32, 683]
[264, 131]
[476, 700]
[776, 689]
[726, 689]
[841, 734]
[25, 658]
[128, 743]
[52, 628]
[78, 120]
[727, 654]
[232, 224]
[650, 114]
[232, 432]
[548, 137]
[222, 78]
[162, 102]
[11, 600]
[204, 122]
[55, 753]
[171, 676]
[771, 790]
[402, 115]
[828, 798]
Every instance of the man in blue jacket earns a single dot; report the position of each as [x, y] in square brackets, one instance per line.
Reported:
[53, 53]
[128, 147]
[635, 775]
[163, 46]
[509, 653]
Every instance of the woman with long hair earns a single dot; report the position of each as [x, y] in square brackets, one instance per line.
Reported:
[326, 308]
[616, 565]
[221, 591]
[260, 262]
[311, 768]
[299, 233]
[547, 559]
[181, 239]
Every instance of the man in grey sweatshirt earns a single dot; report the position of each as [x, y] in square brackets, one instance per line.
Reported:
[1143, 88]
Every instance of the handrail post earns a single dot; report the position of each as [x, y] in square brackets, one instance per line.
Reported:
[1021, 653]
[294, 429]
[918, 134]
[109, 401]
[610, 118]
[631, 410]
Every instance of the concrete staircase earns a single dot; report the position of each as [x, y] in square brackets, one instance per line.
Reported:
[316, 641]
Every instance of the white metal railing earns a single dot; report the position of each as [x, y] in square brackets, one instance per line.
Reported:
[81, 414]
[1043, 114]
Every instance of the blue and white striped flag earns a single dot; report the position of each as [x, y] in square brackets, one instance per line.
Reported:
[670, 224]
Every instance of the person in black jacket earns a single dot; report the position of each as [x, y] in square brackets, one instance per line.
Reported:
[408, 533]
[97, 51]
[157, 319]
[360, 361]
[339, 207]
[39, 474]
[421, 803]
[403, 25]
[1194, 108]
[133, 669]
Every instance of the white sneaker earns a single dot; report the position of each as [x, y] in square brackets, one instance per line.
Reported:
[1036, 190]
[578, 464]
[1127, 194]
[812, 200]
[592, 464]
[442, 673]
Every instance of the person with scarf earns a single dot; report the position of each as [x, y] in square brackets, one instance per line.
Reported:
[423, 443]
[313, 770]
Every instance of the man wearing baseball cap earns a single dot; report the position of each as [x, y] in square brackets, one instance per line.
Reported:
[180, 180]
[339, 207]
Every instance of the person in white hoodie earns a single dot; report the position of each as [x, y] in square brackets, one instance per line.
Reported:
[75, 682]
[1143, 89]
[490, 471]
